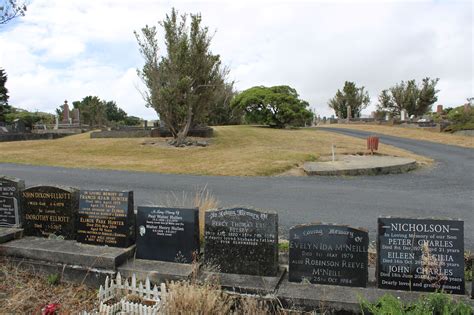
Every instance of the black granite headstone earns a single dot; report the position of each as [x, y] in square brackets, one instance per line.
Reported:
[10, 190]
[420, 255]
[242, 241]
[328, 254]
[50, 210]
[167, 234]
[106, 218]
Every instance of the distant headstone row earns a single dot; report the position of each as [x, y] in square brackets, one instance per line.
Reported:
[412, 254]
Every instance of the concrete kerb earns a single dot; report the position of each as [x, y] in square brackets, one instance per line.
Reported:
[353, 165]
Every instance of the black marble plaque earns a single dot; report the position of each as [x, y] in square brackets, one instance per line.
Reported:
[167, 234]
[50, 211]
[10, 190]
[106, 218]
[328, 254]
[242, 241]
[420, 255]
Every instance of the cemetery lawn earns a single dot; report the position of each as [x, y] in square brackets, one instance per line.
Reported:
[234, 151]
[397, 131]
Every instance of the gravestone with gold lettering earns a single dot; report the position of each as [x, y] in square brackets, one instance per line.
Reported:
[328, 254]
[106, 218]
[168, 234]
[242, 241]
[50, 211]
[10, 190]
[421, 255]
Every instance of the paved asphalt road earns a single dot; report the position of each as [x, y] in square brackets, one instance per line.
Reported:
[445, 190]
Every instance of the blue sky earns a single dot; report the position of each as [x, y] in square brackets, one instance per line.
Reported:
[70, 49]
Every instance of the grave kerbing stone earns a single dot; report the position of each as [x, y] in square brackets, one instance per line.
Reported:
[242, 241]
[328, 254]
[50, 211]
[10, 201]
[421, 255]
[106, 218]
[167, 234]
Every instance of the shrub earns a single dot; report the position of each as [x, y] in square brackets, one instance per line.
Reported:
[434, 303]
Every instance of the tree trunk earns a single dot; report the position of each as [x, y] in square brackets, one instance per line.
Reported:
[182, 134]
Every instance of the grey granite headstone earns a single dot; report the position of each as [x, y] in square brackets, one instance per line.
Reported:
[10, 190]
[328, 254]
[242, 241]
[421, 255]
[50, 211]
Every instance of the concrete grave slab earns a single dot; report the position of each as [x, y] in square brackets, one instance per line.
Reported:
[156, 271]
[242, 283]
[351, 165]
[338, 298]
[66, 252]
[8, 234]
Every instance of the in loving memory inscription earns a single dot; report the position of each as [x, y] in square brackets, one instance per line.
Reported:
[168, 234]
[242, 241]
[106, 218]
[421, 254]
[328, 254]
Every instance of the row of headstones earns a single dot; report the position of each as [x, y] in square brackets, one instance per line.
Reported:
[412, 254]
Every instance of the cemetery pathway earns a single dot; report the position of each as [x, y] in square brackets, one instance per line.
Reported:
[444, 190]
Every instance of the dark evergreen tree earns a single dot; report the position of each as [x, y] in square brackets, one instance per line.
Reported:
[4, 107]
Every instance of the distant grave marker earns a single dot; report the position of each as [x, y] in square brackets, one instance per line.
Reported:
[328, 254]
[242, 241]
[10, 189]
[106, 218]
[50, 211]
[403, 264]
[167, 234]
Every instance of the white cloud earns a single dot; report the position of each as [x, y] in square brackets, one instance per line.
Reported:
[71, 49]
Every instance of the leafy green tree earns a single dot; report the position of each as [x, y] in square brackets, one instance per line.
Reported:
[415, 99]
[113, 112]
[276, 106]
[4, 107]
[10, 9]
[29, 118]
[92, 111]
[221, 112]
[132, 121]
[181, 84]
[351, 95]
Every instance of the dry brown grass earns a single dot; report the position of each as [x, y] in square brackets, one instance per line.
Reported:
[398, 131]
[208, 299]
[235, 150]
[204, 201]
[25, 292]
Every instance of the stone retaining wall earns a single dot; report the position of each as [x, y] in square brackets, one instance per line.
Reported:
[30, 136]
[121, 134]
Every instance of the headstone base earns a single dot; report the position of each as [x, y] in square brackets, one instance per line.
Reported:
[308, 297]
[241, 283]
[8, 234]
[67, 252]
[91, 277]
[156, 271]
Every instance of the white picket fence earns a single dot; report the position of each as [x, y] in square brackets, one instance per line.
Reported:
[119, 290]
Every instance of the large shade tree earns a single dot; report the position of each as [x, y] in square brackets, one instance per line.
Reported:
[183, 82]
[351, 95]
[415, 99]
[276, 106]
